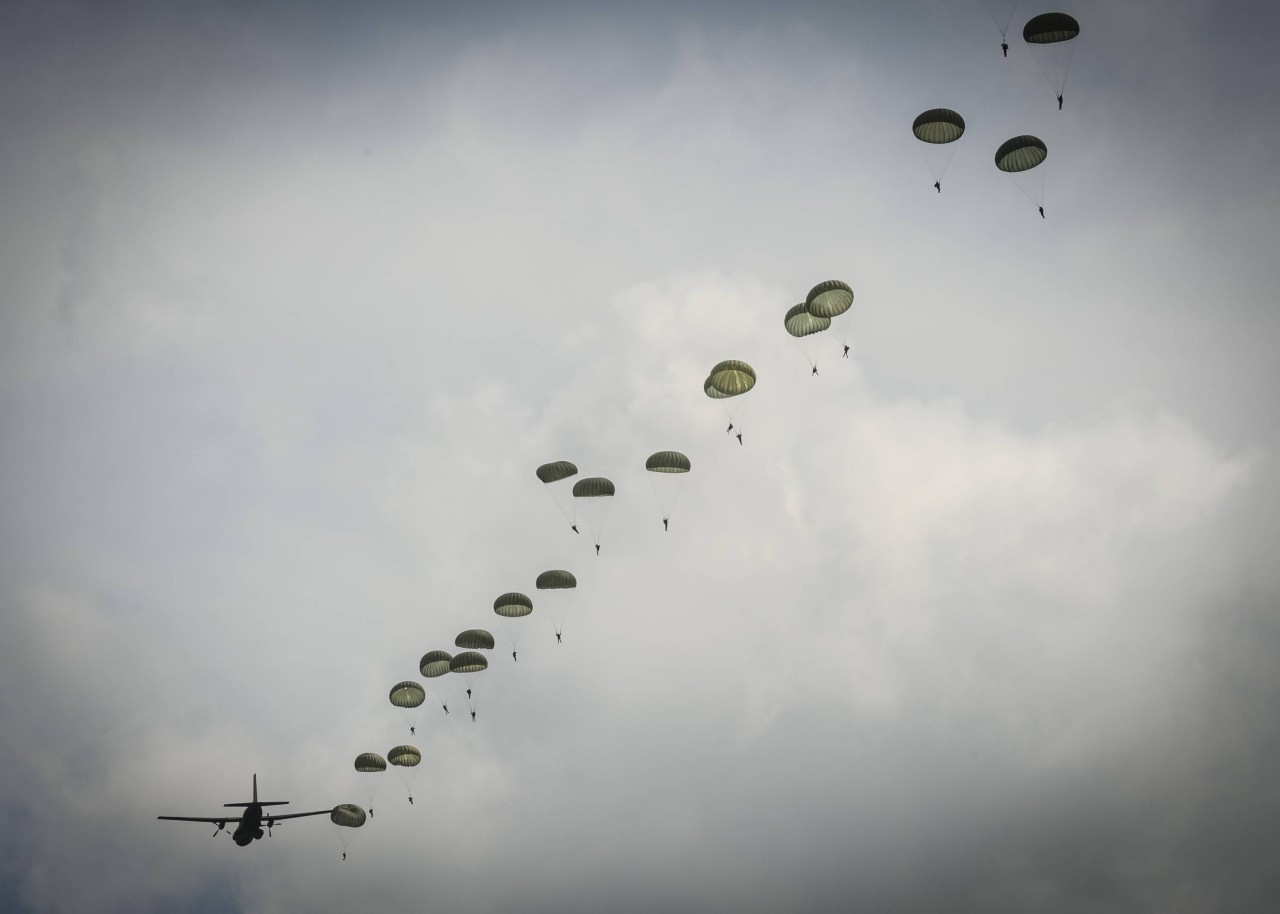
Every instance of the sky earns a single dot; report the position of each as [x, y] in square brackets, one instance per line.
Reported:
[295, 297]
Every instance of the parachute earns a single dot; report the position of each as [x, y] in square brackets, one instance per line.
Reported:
[938, 129]
[347, 817]
[405, 759]
[1001, 14]
[831, 299]
[470, 665]
[563, 586]
[805, 327]
[730, 379]
[474, 639]
[552, 476]
[433, 666]
[513, 608]
[1052, 39]
[591, 498]
[370, 766]
[410, 696]
[1019, 157]
[668, 469]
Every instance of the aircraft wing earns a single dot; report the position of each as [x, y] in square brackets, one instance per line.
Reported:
[213, 820]
[296, 815]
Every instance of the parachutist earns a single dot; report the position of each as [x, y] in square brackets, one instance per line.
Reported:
[413, 732]
[815, 371]
[846, 350]
[597, 548]
[558, 641]
[1041, 212]
[574, 528]
[468, 694]
[446, 708]
[473, 717]
[937, 185]
[1004, 46]
[664, 524]
[344, 855]
[410, 799]
[513, 657]
[729, 429]
[1059, 102]
[739, 437]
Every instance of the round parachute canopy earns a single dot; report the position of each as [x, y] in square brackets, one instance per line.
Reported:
[592, 487]
[799, 322]
[667, 462]
[710, 390]
[829, 299]
[732, 377]
[938, 125]
[469, 662]
[554, 472]
[370, 762]
[404, 756]
[555, 579]
[513, 605]
[434, 663]
[348, 815]
[1021, 153]
[1050, 28]
[473, 639]
[407, 694]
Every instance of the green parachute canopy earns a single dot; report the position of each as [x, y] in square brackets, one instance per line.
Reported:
[407, 694]
[434, 663]
[347, 815]
[593, 487]
[800, 323]
[473, 639]
[555, 579]
[829, 299]
[468, 662]
[710, 390]
[556, 471]
[513, 605]
[667, 462]
[1050, 28]
[938, 126]
[370, 762]
[732, 377]
[404, 756]
[1021, 153]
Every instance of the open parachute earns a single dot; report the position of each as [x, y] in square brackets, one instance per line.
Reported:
[938, 129]
[667, 471]
[591, 500]
[804, 328]
[1052, 39]
[553, 476]
[727, 382]
[562, 586]
[1020, 158]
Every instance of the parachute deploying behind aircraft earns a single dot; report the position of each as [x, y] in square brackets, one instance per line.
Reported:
[562, 586]
[1020, 158]
[667, 473]
[553, 475]
[938, 129]
[1052, 37]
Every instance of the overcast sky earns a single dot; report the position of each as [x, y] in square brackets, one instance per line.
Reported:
[294, 300]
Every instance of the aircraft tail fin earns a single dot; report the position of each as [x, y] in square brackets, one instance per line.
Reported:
[256, 801]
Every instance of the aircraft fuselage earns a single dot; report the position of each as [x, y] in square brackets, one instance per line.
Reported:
[250, 826]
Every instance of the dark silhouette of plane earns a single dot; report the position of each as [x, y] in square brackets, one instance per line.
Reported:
[250, 824]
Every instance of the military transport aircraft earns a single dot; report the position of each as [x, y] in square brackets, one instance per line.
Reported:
[251, 822]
